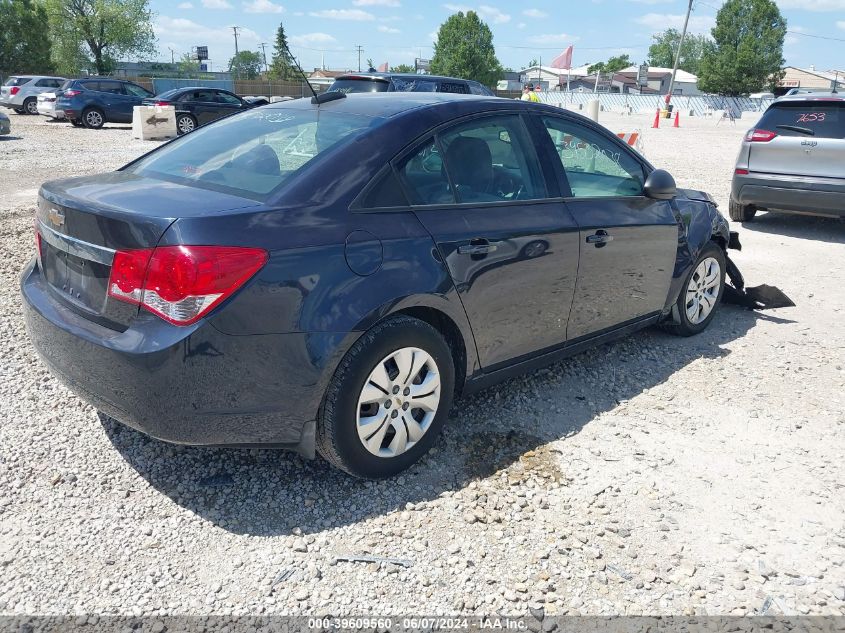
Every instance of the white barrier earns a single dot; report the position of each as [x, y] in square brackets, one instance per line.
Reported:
[153, 122]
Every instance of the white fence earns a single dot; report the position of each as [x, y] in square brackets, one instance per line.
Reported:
[637, 103]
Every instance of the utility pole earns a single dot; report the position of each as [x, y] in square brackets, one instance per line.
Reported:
[360, 50]
[172, 60]
[678, 55]
[263, 46]
[234, 68]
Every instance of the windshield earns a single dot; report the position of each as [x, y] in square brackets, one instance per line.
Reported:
[364, 84]
[254, 153]
[818, 119]
[17, 81]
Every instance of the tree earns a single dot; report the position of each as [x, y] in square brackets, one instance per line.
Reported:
[283, 65]
[464, 48]
[611, 66]
[748, 50]
[533, 63]
[188, 65]
[101, 31]
[24, 42]
[246, 64]
[662, 52]
[403, 68]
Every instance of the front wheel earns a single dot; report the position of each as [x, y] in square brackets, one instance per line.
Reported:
[701, 293]
[388, 399]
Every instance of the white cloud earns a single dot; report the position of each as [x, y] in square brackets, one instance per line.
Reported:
[841, 24]
[356, 15]
[554, 38]
[263, 6]
[185, 5]
[376, 3]
[387, 29]
[216, 4]
[535, 13]
[813, 5]
[486, 12]
[662, 21]
[188, 31]
[310, 39]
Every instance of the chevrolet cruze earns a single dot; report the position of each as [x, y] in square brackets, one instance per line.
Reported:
[327, 275]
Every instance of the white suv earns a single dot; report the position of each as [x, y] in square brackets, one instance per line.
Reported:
[20, 92]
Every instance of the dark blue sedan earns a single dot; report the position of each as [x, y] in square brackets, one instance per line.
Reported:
[328, 276]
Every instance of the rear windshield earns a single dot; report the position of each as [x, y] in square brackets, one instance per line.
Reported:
[359, 85]
[17, 81]
[818, 119]
[254, 153]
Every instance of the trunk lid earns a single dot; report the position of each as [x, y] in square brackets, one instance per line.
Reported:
[83, 221]
[810, 140]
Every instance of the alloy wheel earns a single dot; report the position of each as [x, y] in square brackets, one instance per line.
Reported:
[186, 124]
[93, 118]
[31, 107]
[398, 402]
[703, 290]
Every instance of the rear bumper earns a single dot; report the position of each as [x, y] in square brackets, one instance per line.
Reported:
[821, 196]
[191, 385]
[50, 111]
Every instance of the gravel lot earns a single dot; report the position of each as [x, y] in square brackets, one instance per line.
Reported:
[654, 475]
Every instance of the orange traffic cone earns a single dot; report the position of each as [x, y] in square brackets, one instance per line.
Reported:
[656, 119]
[677, 122]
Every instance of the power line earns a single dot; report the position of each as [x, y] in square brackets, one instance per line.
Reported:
[818, 37]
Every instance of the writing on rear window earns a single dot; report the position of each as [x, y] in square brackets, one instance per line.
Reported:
[810, 117]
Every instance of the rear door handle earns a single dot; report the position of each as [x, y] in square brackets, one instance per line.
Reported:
[599, 238]
[477, 248]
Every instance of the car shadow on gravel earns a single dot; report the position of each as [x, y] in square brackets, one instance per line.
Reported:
[805, 227]
[10, 138]
[504, 433]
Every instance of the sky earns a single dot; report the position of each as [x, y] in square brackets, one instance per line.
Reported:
[398, 31]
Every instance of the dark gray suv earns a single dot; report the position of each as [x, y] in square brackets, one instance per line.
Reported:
[407, 82]
[793, 160]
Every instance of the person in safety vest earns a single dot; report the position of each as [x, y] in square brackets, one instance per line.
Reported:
[528, 93]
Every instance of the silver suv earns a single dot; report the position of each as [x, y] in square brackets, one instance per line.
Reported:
[20, 92]
[793, 161]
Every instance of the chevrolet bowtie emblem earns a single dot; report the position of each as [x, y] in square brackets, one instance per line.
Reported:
[56, 217]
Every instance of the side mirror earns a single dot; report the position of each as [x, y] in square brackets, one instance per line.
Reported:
[660, 185]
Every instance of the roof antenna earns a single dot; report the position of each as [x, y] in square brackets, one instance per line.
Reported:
[316, 99]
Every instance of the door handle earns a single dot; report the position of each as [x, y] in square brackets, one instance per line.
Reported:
[478, 248]
[599, 238]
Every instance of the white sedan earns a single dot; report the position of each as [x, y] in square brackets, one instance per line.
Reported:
[47, 105]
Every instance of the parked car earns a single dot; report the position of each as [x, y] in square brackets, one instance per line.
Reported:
[198, 105]
[404, 82]
[327, 277]
[95, 101]
[5, 124]
[47, 105]
[793, 160]
[20, 92]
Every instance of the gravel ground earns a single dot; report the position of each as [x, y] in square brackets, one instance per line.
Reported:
[654, 475]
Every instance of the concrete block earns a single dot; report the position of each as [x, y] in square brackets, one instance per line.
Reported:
[153, 122]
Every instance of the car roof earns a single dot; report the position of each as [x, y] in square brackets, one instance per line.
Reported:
[812, 96]
[390, 104]
[386, 76]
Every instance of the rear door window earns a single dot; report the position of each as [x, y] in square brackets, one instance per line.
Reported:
[229, 99]
[807, 119]
[17, 81]
[360, 85]
[454, 87]
[403, 84]
[91, 85]
[112, 87]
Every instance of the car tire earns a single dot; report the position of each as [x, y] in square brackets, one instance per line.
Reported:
[185, 123]
[93, 118]
[30, 106]
[741, 213]
[369, 372]
[20, 111]
[698, 300]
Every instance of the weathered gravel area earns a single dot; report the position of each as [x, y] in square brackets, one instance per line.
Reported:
[655, 475]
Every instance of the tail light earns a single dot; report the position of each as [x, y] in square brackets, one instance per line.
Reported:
[162, 103]
[72, 93]
[739, 171]
[182, 283]
[759, 136]
[14, 90]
